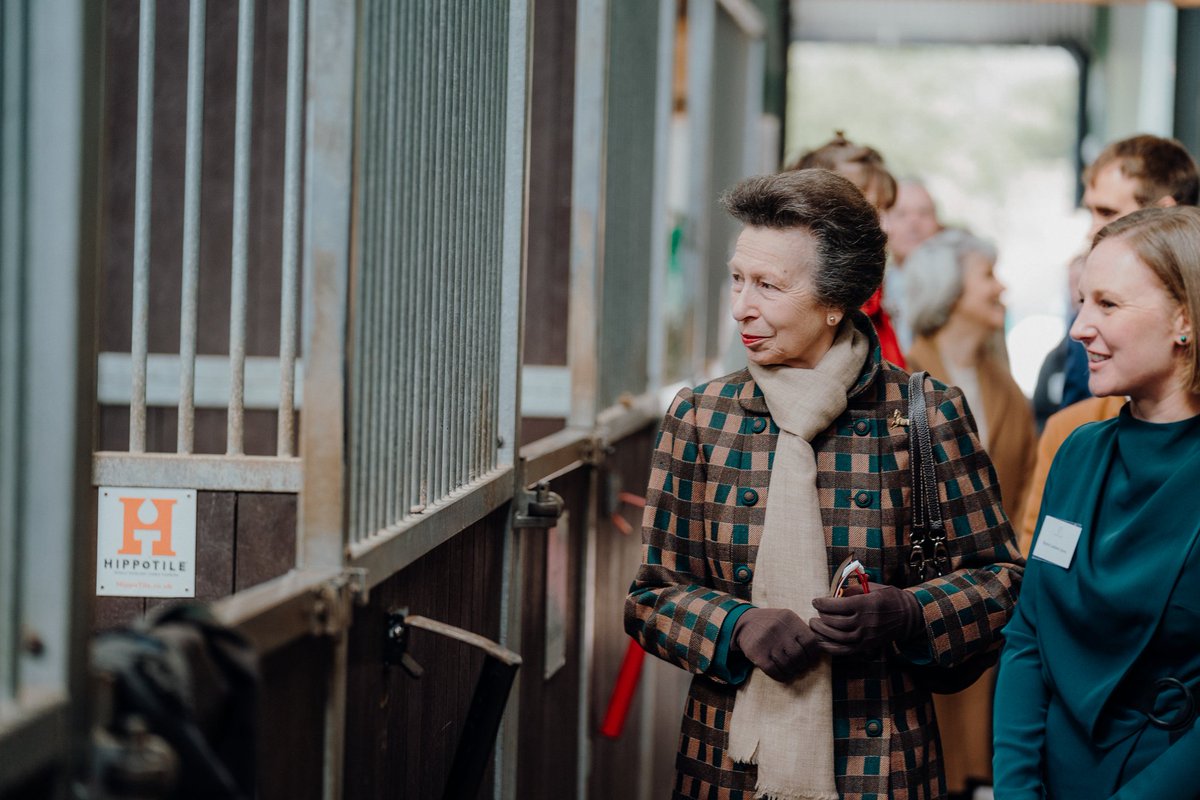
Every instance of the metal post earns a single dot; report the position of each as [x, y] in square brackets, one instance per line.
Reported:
[285, 432]
[241, 224]
[587, 207]
[193, 156]
[141, 226]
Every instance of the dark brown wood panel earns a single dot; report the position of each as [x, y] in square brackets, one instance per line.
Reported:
[549, 718]
[290, 746]
[401, 733]
[534, 428]
[552, 99]
[618, 764]
[266, 537]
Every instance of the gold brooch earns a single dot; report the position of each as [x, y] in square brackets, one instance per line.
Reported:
[898, 421]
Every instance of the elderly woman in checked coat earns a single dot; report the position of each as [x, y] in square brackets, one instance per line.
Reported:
[765, 480]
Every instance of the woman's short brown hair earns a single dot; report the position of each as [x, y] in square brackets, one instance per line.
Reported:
[1167, 240]
[850, 243]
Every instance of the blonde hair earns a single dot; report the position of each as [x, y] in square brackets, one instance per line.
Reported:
[1167, 241]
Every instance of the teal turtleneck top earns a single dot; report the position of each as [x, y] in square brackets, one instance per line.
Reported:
[1088, 641]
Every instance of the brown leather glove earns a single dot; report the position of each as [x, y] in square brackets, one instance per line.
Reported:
[776, 641]
[858, 623]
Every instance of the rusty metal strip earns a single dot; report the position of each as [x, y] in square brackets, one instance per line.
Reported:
[215, 473]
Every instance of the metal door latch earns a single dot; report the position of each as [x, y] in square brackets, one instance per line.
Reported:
[541, 509]
[474, 751]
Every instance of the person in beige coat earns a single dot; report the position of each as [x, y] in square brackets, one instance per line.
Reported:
[954, 300]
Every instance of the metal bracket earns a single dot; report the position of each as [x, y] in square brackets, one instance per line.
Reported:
[334, 601]
[539, 509]
[595, 450]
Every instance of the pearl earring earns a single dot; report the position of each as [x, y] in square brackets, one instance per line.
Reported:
[832, 319]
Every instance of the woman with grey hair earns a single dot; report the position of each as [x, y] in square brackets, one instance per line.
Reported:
[767, 482]
[954, 303]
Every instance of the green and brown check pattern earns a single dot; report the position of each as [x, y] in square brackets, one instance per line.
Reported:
[706, 504]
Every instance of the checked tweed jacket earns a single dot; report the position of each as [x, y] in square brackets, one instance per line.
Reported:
[704, 517]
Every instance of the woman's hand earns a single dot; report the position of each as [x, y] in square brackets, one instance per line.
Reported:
[776, 641]
[859, 623]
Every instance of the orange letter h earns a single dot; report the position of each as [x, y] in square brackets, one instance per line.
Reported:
[130, 546]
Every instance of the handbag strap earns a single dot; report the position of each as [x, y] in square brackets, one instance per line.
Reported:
[929, 556]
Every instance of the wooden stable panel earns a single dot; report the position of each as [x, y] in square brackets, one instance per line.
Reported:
[619, 765]
[290, 737]
[552, 102]
[401, 733]
[549, 720]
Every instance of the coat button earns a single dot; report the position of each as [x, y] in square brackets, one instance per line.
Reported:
[862, 427]
[742, 573]
[760, 425]
[874, 727]
[748, 497]
[863, 499]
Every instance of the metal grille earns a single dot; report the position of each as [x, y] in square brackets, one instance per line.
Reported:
[12, 259]
[427, 379]
[149, 373]
[629, 191]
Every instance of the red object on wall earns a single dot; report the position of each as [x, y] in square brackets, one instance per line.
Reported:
[623, 691]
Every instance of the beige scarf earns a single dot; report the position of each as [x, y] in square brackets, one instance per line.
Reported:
[787, 728]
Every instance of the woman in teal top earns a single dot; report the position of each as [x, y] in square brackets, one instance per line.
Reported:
[1099, 680]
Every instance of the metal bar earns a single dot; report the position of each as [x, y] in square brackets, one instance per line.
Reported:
[189, 293]
[452, 257]
[492, 262]
[555, 454]
[491, 649]
[273, 614]
[141, 225]
[587, 203]
[701, 38]
[398, 389]
[406, 480]
[392, 549]
[363, 401]
[477, 149]
[422, 226]
[203, 472]
[241, 224]
[385, 499]
[13, 221]
[442, 215]
[659, 212]
[502, 444]
[293, 150]
[62, 266]
[328, 177]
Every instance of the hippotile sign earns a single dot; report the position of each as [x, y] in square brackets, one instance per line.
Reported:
[146, 542]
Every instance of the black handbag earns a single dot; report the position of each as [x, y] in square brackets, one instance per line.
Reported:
[928, 554]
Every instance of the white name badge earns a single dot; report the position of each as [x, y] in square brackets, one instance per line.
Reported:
[1057, 541]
